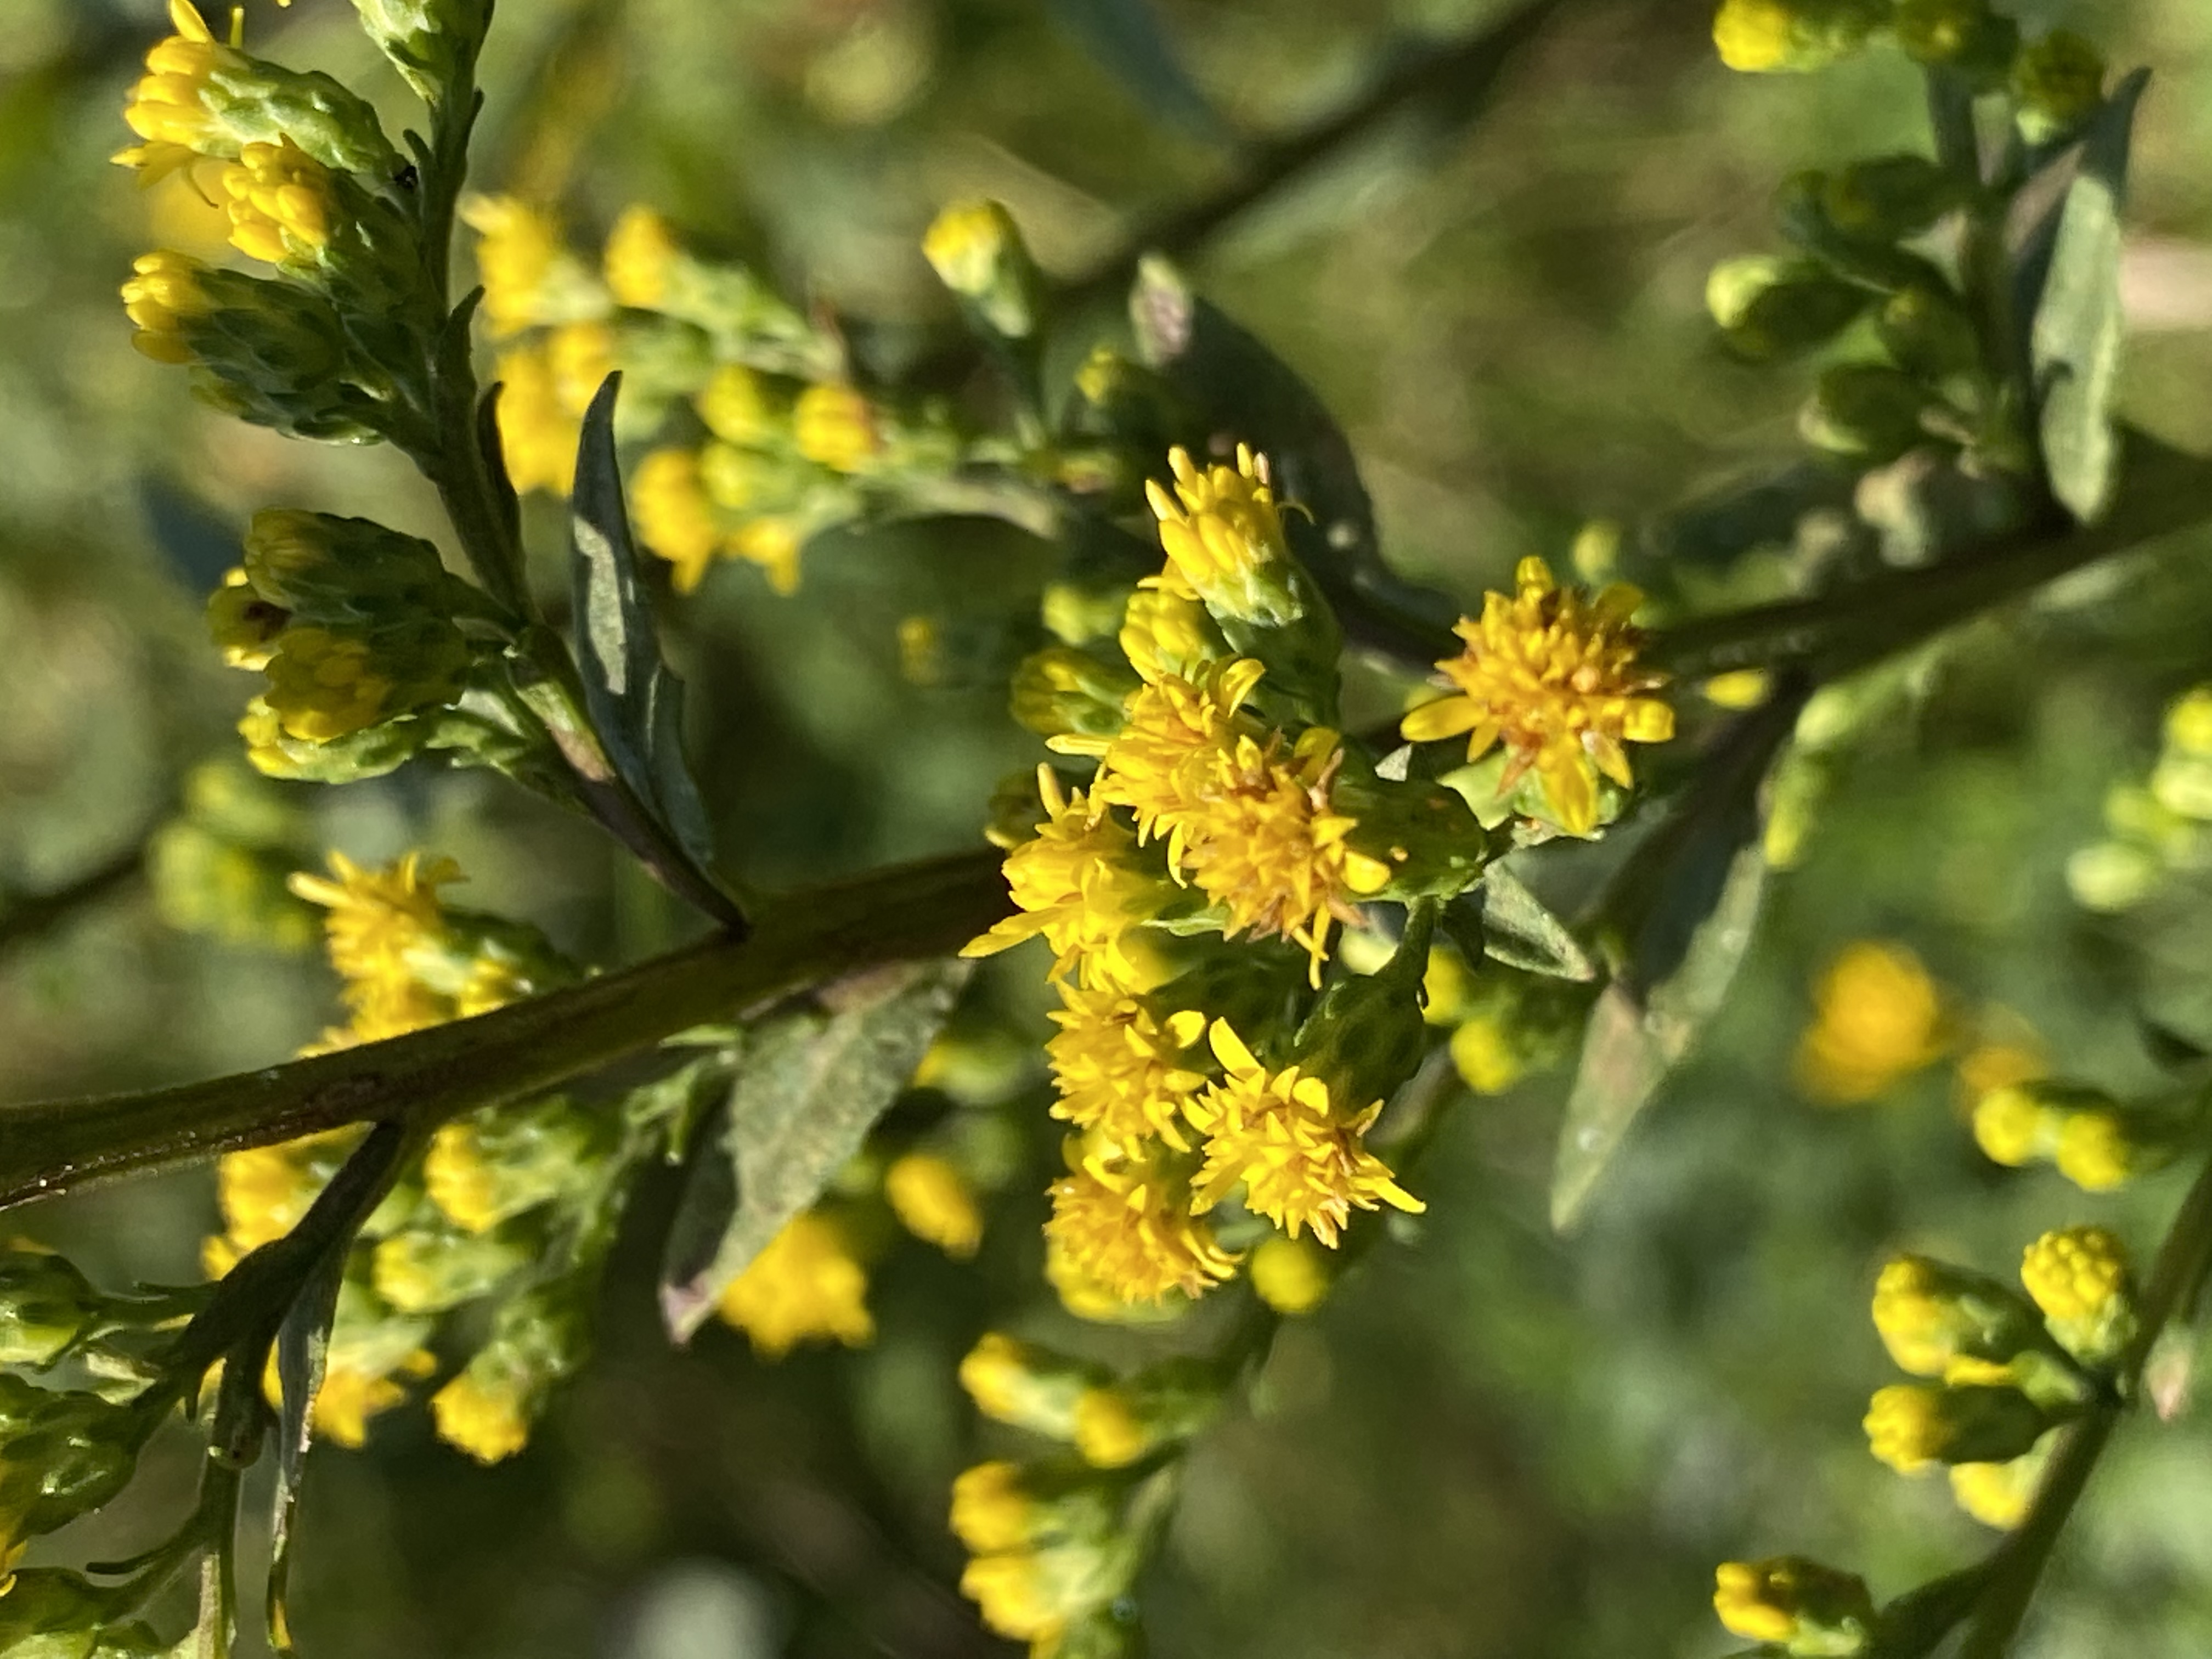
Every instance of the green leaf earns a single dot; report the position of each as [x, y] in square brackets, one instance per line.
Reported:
[1127, 38]
[1236, 390]
[1519, 930]
[1913, 1625]
[2075, 338]
[1684, 905]
[810, 1085]
[634, 703]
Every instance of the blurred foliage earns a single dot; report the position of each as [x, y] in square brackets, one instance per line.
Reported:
[1508, 1443]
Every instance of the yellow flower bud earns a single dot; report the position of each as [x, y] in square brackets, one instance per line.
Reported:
[1028, 1387]
[1797, 1604]
[1933, 1316]
[835, 427]
[934, 1201]
[1290, 1275]
[1912, 1427]
[641, 257]
[2079, 1278]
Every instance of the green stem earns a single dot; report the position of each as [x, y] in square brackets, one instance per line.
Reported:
[1838, 632]
[912, 912]
[2016, 1569]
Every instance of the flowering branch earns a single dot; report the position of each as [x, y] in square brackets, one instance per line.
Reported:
[911, 913]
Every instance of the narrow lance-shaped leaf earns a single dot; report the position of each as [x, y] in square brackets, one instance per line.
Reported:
[1686, 902]
[1519, 930]
[811, 1084]
[2075, 340]
[635, 703]
[1127, 39]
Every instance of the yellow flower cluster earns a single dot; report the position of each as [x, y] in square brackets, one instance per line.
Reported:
[1552, 676]
[1878, 1018]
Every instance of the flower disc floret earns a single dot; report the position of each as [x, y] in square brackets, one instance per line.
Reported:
[1301, 1159]
[1550, 674]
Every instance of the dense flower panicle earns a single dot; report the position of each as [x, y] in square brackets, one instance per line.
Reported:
[1302, 1161]
[517, 250]
[1117, 1066]
[1877, 1018]
[280, 203]
[1223, 534]
[1079, 884]
[933, 1201]
[1125, 1221]
[806, 1286]
[640, 256]
[163, 293]
[1552, 676]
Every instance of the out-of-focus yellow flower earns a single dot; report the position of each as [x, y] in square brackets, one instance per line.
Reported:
[351, 1395]
[736, 407]
[163, 293]
[264, 1191]
[1877, 1017]
[675, 519]
[1033, 1595]
[806, 1286]
[1300, 1157]
[538, 433]
[517, 250]
[641, 254]
[1550, 674]
[934, 1201]
[835, 427]
[479, 1417]
[1796, 1603]
[1124, 1219]
[1290, 1276]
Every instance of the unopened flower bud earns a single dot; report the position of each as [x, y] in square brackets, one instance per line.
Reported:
[1798, 1605]
[1001, 1506]
[1999, 1494]
[48, 1614]
[1890, 197]
[1912, 1427]
[1865, 410]
[1941, 1320]
[426, 40]
[1759, 37]
[978, 254]
[1773, 307]
[62, 1454]
[1962, 34]
[1060, 690]
[46, 1306]
[1929, 333]
[1118, 1424]
[2079, 1278]
[836, 427]
[1027, 1386]
[2057, 83]
[1290, 1275]
[1222, 530]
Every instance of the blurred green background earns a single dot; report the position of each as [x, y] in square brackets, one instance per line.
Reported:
[1493, 1442]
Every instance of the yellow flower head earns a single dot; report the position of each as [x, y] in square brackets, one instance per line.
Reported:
[967, 246]
[1077, 883]
[481, 1417]
[1290, 1276]
[1026, 1385]
[2013, 1127]
[675, 519]
[1999, 1494]
[1224, 539]
[538, 431]
[1033, 1595]
[163, 293]
[1267, 847]
[323, 686]
[2096, 1151]
[1176, 737]
[1878, 1018]
[992, 1512]
[806, 1287]
[1126, 1223]
[1163, 634]
[281, 203]
[1116, 1064]
[1911, 1426]
[1905, 1426]
[517, 251]
[934, 1201]
[352, 1394]
[1790, 1600]
[2079, 1278]
[640, 256]
[835, 427]
[379, 918]
[1302, 1161]
[1552, 675]
[1753, 37]
[736, 407]
[166, 107]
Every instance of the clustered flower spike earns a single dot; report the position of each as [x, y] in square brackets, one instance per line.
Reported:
[1552, 676]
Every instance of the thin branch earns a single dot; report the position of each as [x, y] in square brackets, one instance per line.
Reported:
[912, 912]
[28, 916]
[1465, 68]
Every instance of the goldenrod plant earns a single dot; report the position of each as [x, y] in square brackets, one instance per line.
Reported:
[1304, 871]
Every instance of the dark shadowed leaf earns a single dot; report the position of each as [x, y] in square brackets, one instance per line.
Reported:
[2075, 339]
[636, 704]
[1683, 907]
[1518, 930]
[811, 1084]
[1127, 38]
